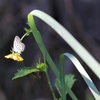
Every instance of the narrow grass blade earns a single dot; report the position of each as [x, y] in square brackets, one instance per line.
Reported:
[42, 47]
[62, 78]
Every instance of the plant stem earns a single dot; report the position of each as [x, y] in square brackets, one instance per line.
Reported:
[49, 82]
[23, 36]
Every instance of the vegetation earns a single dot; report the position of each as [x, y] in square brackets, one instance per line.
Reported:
[63, 82]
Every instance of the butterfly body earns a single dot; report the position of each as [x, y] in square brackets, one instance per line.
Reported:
[18, 46]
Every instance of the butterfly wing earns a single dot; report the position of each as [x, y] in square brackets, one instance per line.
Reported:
[18, 46]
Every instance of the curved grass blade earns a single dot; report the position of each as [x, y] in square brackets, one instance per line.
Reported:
[73, 43]
[84, 75]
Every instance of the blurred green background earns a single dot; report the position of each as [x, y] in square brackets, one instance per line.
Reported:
[80, 17]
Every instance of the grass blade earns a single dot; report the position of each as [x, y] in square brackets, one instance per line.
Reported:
[84, 75]
[74, 44]
[62, 77]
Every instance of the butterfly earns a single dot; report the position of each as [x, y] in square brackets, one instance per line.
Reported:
[18, 48]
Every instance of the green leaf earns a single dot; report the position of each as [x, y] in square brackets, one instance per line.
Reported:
[23, 71]
[60, 98]
[69, 80]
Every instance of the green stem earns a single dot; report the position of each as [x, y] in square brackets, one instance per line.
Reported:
[23, 36]
[49, 82]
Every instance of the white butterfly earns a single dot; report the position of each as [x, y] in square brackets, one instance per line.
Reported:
[18, 46]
